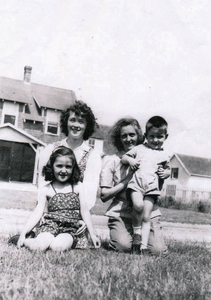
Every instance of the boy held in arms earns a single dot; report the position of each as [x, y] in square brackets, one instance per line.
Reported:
[150, 164]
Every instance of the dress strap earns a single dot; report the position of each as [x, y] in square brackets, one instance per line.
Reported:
[54, 189]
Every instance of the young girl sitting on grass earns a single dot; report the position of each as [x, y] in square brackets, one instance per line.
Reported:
[61, 207]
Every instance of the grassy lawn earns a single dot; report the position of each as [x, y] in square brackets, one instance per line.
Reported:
[103, 274]
[27, 200]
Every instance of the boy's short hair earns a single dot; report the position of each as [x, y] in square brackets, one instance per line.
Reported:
[156, 122]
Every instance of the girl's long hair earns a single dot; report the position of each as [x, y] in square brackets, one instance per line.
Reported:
[47, 171]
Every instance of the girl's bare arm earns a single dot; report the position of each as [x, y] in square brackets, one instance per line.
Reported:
[87, 217]
[35, 216]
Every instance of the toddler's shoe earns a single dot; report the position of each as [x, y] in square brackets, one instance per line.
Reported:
[144, 252]
[136, 245]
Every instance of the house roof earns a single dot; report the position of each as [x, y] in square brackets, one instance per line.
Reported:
[26, 92]
[98, 134]
[9, 132]
[52, 97]
[195, 166]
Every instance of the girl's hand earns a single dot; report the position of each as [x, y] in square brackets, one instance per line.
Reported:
[96, 241]
[163, 173]
[21, 240]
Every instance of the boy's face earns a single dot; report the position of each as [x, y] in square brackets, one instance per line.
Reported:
[156, 137]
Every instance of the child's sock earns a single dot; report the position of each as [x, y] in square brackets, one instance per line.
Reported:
[145, 233]
[137, 230]
[143, 246]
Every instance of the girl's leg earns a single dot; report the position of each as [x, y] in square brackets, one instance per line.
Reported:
[41, 242]
[148, 206]
[62, 242]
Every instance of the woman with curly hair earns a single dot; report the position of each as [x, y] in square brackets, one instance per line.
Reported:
[115, 176]
[78, 124]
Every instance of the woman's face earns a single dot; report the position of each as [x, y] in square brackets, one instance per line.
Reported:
[128, 137]
[76, 126]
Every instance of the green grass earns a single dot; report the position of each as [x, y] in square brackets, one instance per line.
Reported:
[27, 200]
[103, 274]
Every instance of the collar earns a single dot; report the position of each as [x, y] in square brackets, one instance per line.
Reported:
[83, 146]
[146, 145]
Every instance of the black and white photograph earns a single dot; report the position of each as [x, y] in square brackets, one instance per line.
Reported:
[105, 149]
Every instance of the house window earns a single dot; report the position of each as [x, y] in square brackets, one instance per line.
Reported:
[26, 109]
[174, 173]
[52, 122]
[52, 128]
[171, 190]
[9, 119]
[10, 113]
[92, 143]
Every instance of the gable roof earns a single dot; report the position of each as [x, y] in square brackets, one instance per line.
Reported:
[9, 132]
[195, 166]
[26, 92]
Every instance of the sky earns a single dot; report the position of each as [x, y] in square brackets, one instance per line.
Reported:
[136, 58]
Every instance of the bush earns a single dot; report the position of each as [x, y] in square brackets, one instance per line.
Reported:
[179, 203]
[201, 207]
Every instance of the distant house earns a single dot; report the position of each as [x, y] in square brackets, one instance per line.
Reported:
[96, 141]
[30, 119]
[189, 174]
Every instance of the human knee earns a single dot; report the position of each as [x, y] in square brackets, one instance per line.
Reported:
[121, 244]
[146, 218]
[43, 241]
[138, 207]
[62, 243]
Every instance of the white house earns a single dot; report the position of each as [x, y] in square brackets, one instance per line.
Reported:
[190, 177]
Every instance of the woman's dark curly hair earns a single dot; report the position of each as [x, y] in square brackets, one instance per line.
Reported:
[116, 131]
[47, 171]
[83, 110]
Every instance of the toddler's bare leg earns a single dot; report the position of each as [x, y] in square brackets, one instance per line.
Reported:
[138, 206]
[137, 215]
[62, 242]
[148, 206]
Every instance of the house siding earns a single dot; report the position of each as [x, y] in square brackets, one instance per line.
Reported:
[183, 177]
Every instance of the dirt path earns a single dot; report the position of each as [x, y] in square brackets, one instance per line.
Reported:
[13, 220]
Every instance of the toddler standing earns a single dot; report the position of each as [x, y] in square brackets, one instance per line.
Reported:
[151, 165]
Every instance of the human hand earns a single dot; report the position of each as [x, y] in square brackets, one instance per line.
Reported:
[163, 173]
[21, 240]
[96, 241]
[134, 165]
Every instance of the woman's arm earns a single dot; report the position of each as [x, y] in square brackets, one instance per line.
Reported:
[86, 216]
[108, 193]
[91, 178]
[109, 187]
[35, 216]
